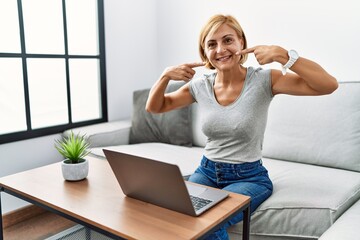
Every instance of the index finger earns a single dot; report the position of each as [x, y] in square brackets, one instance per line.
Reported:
[195, 64]
[248, 50]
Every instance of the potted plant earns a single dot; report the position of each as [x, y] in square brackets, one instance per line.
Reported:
[74, 149]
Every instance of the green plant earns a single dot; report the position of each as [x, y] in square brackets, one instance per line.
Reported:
[74, 148]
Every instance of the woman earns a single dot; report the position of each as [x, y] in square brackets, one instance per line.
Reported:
[233, 103]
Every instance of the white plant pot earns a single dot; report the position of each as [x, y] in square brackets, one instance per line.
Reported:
[75, 172]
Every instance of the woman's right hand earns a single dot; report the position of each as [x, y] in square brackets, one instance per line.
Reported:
[183, 72]
[159, 102]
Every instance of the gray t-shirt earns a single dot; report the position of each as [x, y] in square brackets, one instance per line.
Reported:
[235, 132]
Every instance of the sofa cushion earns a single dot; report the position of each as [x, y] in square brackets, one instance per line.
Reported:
[320, 130]
[188, 159]
[173, 127]
[306, 201]
[346, 227]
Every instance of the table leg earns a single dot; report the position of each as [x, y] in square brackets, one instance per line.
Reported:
[246, 224]
[1, 219]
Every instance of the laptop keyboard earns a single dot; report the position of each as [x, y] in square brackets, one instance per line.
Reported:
[199, 203]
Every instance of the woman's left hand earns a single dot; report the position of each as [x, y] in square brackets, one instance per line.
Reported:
[309, 78]
[265, 54]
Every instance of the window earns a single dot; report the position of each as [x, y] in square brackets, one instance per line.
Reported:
[52, 67]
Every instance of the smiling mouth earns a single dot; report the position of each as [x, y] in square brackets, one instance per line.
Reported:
[225, 58]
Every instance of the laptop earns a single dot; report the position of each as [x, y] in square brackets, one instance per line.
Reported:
[161, 184]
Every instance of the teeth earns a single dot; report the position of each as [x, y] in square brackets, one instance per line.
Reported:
[223, 58]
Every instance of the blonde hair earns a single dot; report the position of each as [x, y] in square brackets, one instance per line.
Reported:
[211, 26]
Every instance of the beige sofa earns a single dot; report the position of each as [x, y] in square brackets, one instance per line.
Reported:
[311, 149]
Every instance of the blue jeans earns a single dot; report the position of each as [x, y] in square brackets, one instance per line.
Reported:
[249, 179]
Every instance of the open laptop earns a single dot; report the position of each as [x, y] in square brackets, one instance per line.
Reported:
[161, 184]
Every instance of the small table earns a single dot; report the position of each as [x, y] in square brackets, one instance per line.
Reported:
[99, 203]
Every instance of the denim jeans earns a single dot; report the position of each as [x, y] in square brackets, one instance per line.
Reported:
[250, 179]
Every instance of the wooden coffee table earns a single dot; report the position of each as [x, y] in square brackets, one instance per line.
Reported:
[98, 203]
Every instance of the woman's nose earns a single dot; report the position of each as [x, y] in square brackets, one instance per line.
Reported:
[220, 49]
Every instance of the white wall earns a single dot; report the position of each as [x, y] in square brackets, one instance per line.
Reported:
[145, 36]
[131, 51]
[326, 31]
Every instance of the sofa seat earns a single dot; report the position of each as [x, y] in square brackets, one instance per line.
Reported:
[304, 203]
[187, 158]
[344, 228]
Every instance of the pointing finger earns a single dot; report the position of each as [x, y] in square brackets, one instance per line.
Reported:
[195, 64]
[245, 51]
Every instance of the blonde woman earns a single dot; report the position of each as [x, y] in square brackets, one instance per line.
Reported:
[233, 103]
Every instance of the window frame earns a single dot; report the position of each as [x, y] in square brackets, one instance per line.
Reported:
[33, 133]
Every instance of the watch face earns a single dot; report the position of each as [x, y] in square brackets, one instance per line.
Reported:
[293, 54]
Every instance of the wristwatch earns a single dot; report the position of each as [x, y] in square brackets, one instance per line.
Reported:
[293, 56]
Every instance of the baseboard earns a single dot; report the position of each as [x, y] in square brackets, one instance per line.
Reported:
[21, 214]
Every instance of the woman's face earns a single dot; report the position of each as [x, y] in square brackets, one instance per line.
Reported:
[221, 46]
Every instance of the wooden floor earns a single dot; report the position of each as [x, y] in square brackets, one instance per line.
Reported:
[38, 227]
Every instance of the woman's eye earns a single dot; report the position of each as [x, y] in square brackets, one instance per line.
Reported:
[211, 45]
[228, 40]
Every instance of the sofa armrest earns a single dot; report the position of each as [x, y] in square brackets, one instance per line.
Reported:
[105, 134]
